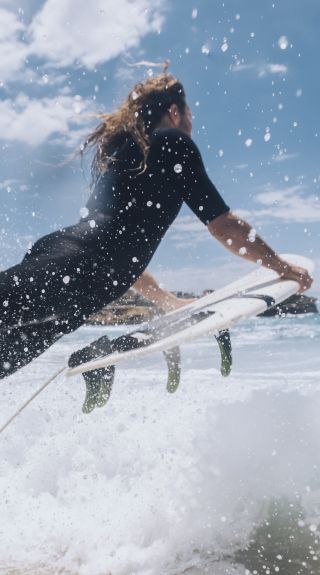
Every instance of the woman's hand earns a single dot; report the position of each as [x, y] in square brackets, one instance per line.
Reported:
[289, 272]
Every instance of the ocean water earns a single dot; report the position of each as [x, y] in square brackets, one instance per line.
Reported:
[221, 478]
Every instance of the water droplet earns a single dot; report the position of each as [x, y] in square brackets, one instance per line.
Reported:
[77, 106]
[66, 279]
[283, 42]
[248, 142]
[205, 49]
[177, 168]
[84, 212]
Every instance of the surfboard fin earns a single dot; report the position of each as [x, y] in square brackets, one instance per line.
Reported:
[98, 382]
[224, 342]
[172, 356]
[173, 359]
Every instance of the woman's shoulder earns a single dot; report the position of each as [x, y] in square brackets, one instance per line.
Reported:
[174, 139]
[172, 135]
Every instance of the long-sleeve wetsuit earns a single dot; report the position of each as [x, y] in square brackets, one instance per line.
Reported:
[71, 273]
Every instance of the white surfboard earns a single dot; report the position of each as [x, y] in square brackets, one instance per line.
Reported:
[244, 298]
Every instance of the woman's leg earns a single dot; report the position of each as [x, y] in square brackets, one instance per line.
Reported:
[20, 345]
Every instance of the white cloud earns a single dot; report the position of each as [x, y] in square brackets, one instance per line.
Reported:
[63, 34]
[282, 157]
[242, 67]
[197, 279]
[291, 204]
[273, 69]
[241, 166]
[13, 50]
[9, 24]
[187, 224]
[7, 184]
[262, 69]
[33, 121]
[186, 231]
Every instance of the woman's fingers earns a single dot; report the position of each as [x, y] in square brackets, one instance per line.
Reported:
[299, 275]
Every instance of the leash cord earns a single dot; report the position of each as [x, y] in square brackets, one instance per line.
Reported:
[33, 396]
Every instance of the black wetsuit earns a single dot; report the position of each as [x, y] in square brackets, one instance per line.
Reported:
[73, 272]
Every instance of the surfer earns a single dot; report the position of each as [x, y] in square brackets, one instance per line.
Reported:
[145, 165]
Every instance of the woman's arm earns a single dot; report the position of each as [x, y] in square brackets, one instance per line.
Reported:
[242, 240]
[150, 289]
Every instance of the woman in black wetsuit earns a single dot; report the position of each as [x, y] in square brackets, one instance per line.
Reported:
[145, 166]
[141, 176]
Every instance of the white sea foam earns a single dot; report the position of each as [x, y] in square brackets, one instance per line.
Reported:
[158, 483]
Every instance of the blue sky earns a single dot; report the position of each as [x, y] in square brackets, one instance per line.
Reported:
[251, 74]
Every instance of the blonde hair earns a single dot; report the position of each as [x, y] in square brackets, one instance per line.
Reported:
[137, 117]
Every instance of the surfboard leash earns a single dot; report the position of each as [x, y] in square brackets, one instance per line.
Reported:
[33, 396]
